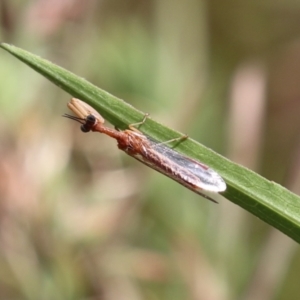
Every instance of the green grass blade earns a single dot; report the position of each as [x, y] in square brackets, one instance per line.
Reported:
[267, 200]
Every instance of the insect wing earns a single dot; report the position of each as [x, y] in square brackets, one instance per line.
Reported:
[208, 179]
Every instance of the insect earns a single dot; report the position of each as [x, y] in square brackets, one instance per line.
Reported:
[188, 172]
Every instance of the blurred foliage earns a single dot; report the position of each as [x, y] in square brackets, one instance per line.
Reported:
[79, 219]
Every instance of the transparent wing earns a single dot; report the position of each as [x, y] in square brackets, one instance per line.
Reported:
[210, 179]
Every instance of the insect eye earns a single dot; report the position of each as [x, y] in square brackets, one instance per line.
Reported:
[91, 118]
[84, 128]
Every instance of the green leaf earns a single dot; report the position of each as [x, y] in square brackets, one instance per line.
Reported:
[267, 200]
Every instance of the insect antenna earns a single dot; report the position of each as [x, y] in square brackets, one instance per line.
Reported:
[77, 119]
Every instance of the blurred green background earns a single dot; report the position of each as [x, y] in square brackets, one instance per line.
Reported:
[81, 220]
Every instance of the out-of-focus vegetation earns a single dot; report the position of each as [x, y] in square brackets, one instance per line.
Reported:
[79, 219]
[267, 200]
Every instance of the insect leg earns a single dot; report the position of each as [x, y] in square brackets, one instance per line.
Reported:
[132, 126]
[178, 140]
[207, 197]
